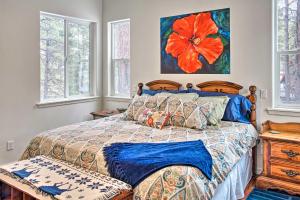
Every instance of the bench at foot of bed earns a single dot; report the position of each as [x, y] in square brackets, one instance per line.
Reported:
[46, 178]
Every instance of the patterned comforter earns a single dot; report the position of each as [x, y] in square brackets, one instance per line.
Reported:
[82, 143]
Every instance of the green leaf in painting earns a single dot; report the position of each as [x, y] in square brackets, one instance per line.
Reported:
[222, 65]
[224, 41]
[168, 32]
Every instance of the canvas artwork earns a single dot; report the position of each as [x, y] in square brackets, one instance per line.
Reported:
[197, 43]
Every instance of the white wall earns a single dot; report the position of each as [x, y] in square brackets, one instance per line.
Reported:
[20, 120]
[251, 43]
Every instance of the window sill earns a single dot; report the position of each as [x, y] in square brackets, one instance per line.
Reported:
[48, 104]
[284, 112]
[118, 99]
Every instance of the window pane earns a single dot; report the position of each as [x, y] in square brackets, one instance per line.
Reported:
[290, 79]
[52, 57]
[120, 32]
[287, 18]
[121, 40]
[78, 58]
[121, 73]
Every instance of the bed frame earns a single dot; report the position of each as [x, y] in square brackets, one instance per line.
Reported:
[14, 193]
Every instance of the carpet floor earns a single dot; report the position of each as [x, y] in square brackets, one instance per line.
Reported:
[258, 194]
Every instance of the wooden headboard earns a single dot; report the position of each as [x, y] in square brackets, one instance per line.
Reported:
[220, 86]
[209, 86]
[159, 85]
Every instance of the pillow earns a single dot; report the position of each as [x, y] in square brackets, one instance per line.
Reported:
[183, 96]
[178, 93]
[188, 114]
[154, 92]
[141, 103]
[186, 96]
[237, 109]
[219, 106]
[156, 119]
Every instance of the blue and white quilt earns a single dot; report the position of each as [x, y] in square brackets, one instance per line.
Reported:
[60, 180]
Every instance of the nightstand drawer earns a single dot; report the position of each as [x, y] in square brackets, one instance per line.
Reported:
[286, 170]
[285, 150]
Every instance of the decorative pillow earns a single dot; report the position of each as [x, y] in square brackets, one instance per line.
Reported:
[181, 94]
[188, 114]
[186, 96]
[154, 92]
[156, 119]
[219, 106]
[237, 109]
[140, 103]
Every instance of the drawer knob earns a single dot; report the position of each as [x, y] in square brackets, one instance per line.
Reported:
[290, 173]
[290, 153]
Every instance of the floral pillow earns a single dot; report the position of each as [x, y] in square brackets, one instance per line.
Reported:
[155, 119]
[219, 106]
[140, 103]
[190, 114]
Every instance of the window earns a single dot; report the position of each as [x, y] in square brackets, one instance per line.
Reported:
[286, 53]
[119, 56]
[66, 57]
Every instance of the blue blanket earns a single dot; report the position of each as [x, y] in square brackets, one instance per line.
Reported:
[133, 162]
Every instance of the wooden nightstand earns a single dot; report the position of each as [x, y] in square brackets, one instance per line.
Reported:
[104, 113]
[281, 157]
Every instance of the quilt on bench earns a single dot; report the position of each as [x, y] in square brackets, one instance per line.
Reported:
[59, 180]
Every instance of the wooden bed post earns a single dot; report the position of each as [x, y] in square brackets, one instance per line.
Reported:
[252, 98]
[189, 85]
[140, 90]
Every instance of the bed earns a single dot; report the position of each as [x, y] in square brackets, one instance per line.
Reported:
[230, 145]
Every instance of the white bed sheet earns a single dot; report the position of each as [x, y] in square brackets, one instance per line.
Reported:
[234, 185]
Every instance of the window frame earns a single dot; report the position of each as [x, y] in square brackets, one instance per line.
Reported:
[92, 60]
[276, 54]
[111, 83]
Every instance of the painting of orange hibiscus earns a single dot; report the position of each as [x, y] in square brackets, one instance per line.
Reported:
[197, 43]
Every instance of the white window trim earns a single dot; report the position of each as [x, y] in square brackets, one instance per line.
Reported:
[284, 112]
[72, 19]
[118, 99]
[277, 107]
[93, 69]
[111, 94]
[62, 102]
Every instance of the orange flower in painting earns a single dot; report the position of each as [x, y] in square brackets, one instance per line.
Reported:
[189, 39]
